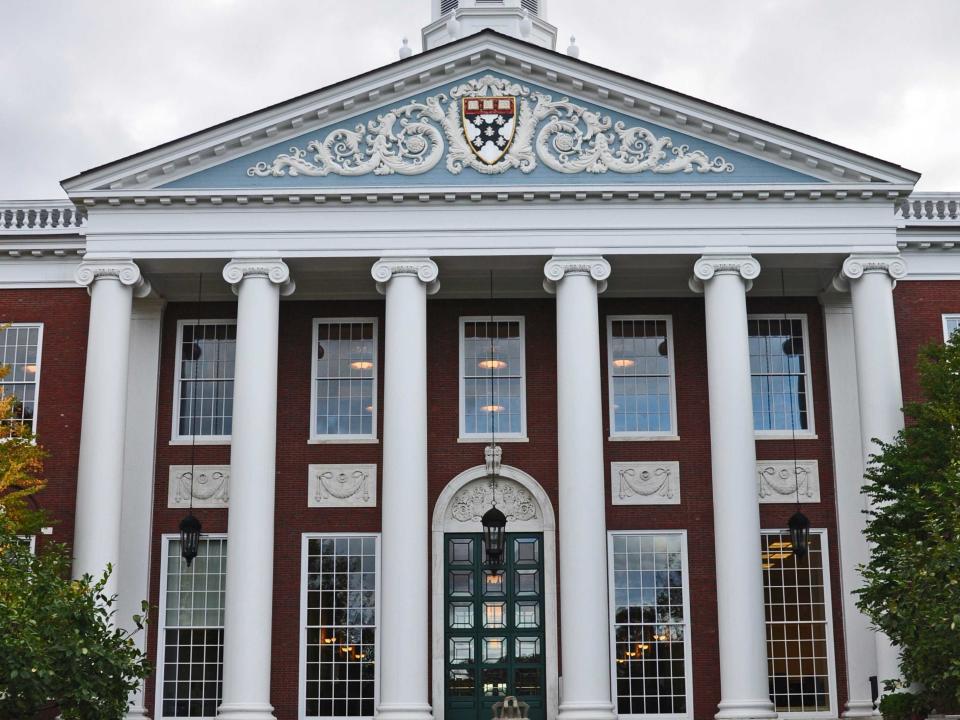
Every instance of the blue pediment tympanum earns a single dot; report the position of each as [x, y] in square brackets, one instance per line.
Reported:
[487, 129]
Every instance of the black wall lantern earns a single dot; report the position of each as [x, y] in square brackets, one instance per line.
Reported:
[189, 538]
[799, 526]
[494, 535]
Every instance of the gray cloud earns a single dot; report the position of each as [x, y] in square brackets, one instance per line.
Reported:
[83, 82]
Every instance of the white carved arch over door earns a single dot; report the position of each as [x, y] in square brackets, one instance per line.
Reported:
[528, 509]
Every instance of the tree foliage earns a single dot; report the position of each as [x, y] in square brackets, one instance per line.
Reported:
[912, 581]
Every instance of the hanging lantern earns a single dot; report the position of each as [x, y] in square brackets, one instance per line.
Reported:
[189, 538]
[799, 526]
[494, 536]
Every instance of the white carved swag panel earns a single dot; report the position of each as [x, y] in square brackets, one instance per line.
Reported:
[210, 486]
[778, 481]
[645, 483]
[342, 486]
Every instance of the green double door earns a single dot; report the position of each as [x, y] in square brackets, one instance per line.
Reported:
[494, 633]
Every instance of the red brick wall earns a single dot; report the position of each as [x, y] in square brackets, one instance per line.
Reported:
[919, 306]
[64, 313]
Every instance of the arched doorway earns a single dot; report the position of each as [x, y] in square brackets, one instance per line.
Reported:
[531, 526]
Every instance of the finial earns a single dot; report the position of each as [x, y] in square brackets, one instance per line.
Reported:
[453, 27]
[573, 51]
[526, 25]
[405, 50]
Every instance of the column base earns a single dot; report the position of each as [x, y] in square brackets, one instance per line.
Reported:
[136, 713]
[745, 710]
[586, 711]
[860, 708]
[403, 711]
[245, 711]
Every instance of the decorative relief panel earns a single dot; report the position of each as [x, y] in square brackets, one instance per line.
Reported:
[645, 483]
[778, 481]
[342, 486]
[474, 500]
[210, 486]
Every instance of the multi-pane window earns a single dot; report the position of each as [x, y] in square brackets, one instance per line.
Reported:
[640, 371]
[951, 323]
[339, 616]
[344, 378]
[799, 635]
[492, 377]
[20, 355]
[190, 662]
[651, 638]
[780, 374]
[206, 358]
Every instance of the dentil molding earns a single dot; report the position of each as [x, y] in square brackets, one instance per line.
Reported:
[645, 483]
[342, 486]
[273, 269]
[513, 500]
[559, 267]
[709, 266]
[210, 486]
[125, 271]
[858, 265]
[784, 481]
[425, 269]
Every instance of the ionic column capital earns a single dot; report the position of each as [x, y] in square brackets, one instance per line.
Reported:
[126, 272]
[709, 266]
[273, 269]
[423, 268]
[557, 268]
[860, 264]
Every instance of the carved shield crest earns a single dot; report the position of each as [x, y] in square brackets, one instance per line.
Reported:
[489, 124]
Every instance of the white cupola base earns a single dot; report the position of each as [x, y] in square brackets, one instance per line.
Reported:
[522, 19]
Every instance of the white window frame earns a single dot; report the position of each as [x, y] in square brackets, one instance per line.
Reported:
[828, 613]
[176, 437]
[302, 664]
[162, 616]
[484, 437]
[687, 633]
[371, 437]
[946, 318]
[810, 433]
[30, 540]
[36, 375]
[674, 432]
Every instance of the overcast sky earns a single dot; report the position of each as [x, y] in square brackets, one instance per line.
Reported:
[83, 82]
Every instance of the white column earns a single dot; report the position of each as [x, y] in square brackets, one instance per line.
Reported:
[858, 637]
[249, 586]
[871, 279]
[96, 540]
[584, 608]
[744, 690]
[405, 556]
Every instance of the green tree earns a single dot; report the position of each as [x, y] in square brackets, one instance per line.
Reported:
[912, 581]
[61, 653]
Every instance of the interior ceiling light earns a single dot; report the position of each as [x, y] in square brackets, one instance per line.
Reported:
[492, 408]
[492, 364]
[623, 362]
[361, 364]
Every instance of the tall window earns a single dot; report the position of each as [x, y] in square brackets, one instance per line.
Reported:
[951, 323]
[345, 378]
[190, 661]
[339, 620]
[206, 358]
[492, 377]
[651, 639]
[640, 372]
[780, 374]
[20, 354]
[799, 633]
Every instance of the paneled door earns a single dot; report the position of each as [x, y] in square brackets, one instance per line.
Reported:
[494, 626]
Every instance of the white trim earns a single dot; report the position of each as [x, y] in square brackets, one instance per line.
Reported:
[302, 654]
[485, 436]
[810, 433]
[828, 614]
[673, 433]
[31, 540]
[162, 615]
[36, 376]
[687, 633]
[175, 437]
[947, 317]
[316, 438]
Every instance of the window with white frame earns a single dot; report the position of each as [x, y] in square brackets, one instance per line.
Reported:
[20, 354]
[649, 605]
[492, 377]
[339, 624]
[190, 636]
[780, 374]
[640, 375]
[951, 323]
[344, 378]
[206, 359]
[798, 617]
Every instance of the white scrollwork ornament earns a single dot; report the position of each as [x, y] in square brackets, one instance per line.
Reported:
[209, 486]
[473, 501]
[784, 481]
[645, 483]
[342, 485]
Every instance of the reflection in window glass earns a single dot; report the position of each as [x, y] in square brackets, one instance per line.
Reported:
[345, 366]
[20, 355]
[639, 373]
[206, 357]
[779, 374]
[492, 355]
